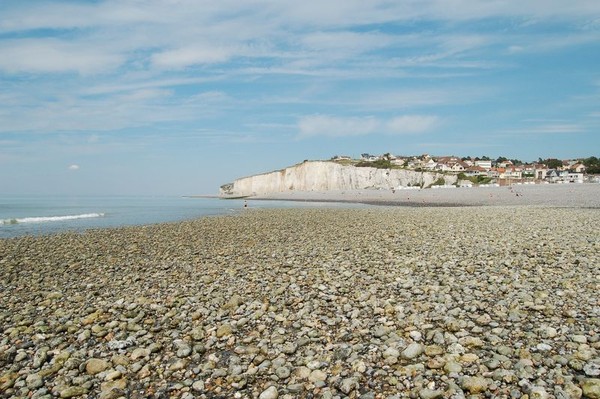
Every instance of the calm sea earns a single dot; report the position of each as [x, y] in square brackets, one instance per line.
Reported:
[46, 215]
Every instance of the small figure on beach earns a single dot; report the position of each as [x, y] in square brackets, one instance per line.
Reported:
[245, 204]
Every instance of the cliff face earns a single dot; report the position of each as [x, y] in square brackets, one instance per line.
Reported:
[329, 176]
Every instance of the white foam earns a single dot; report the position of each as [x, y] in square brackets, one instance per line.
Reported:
[44, 219]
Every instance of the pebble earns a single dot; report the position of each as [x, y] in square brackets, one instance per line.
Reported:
[592, 369]
[282, 372]
[95, 366]
[74, 391]
[538, 393]
[317, 375]
[474, 384]
[412, 351]
[34, 381]
[591, 388]
[198, 386]
[269, 393]
[431, 393]
[348, 385]
[224, 330]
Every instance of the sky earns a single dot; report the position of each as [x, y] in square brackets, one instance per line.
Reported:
[177, 97]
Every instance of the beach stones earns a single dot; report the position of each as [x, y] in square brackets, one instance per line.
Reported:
[427, 303]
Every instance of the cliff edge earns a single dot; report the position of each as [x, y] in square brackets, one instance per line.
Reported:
[329, 176]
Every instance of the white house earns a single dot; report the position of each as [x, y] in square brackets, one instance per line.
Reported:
[572, 177]
[487, 165]
[430, 164]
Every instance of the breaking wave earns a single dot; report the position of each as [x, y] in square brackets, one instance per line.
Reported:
[44, 219]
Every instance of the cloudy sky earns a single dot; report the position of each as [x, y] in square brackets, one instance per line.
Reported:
[181, 96]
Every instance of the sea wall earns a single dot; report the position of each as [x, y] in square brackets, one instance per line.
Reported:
[330, 176]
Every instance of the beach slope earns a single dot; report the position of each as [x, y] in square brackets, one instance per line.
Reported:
[372, 303]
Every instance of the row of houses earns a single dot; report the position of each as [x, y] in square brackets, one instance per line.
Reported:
[571, 171]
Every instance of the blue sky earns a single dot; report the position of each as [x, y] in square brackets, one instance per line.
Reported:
[181, 96]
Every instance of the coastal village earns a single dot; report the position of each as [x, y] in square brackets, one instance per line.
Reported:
[484, 169]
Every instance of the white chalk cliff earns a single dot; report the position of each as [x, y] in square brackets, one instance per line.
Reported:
[330, 176]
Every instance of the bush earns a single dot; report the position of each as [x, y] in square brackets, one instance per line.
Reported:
[439, 182]
[475, 179]
[379, 164]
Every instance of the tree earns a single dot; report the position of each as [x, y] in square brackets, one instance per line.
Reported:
[592, 165]
[591, 161]
[552, 163]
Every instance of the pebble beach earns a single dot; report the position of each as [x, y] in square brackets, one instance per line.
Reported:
[379, 302]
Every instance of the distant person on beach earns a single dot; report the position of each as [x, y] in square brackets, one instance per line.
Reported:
[245, 204]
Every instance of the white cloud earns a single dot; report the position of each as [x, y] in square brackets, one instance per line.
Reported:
[515, 49]
[332, 126]
[73, 167]
[184, 57]
[177, 34]
[331, 13]
[143, 95]
[407, 124]
[51, 55]
[551, 128]
[346, 42]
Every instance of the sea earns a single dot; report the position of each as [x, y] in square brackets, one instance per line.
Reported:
[41, 215]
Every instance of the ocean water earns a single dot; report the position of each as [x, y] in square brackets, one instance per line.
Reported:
[21, 216]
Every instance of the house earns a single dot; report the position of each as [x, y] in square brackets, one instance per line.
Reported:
[501, 172]
[430, 164]
[442, 167]
[474, 171]
[513, 173]
[487, 165]
[414, 163]
[572, 177]
[369, 157]
[493, 173]
[341, 158]
[552, 175]
[459, 166]
[539, 171]
[528, 170]
[577, 168]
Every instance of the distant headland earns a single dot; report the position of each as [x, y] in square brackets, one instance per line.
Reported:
[390, 172]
